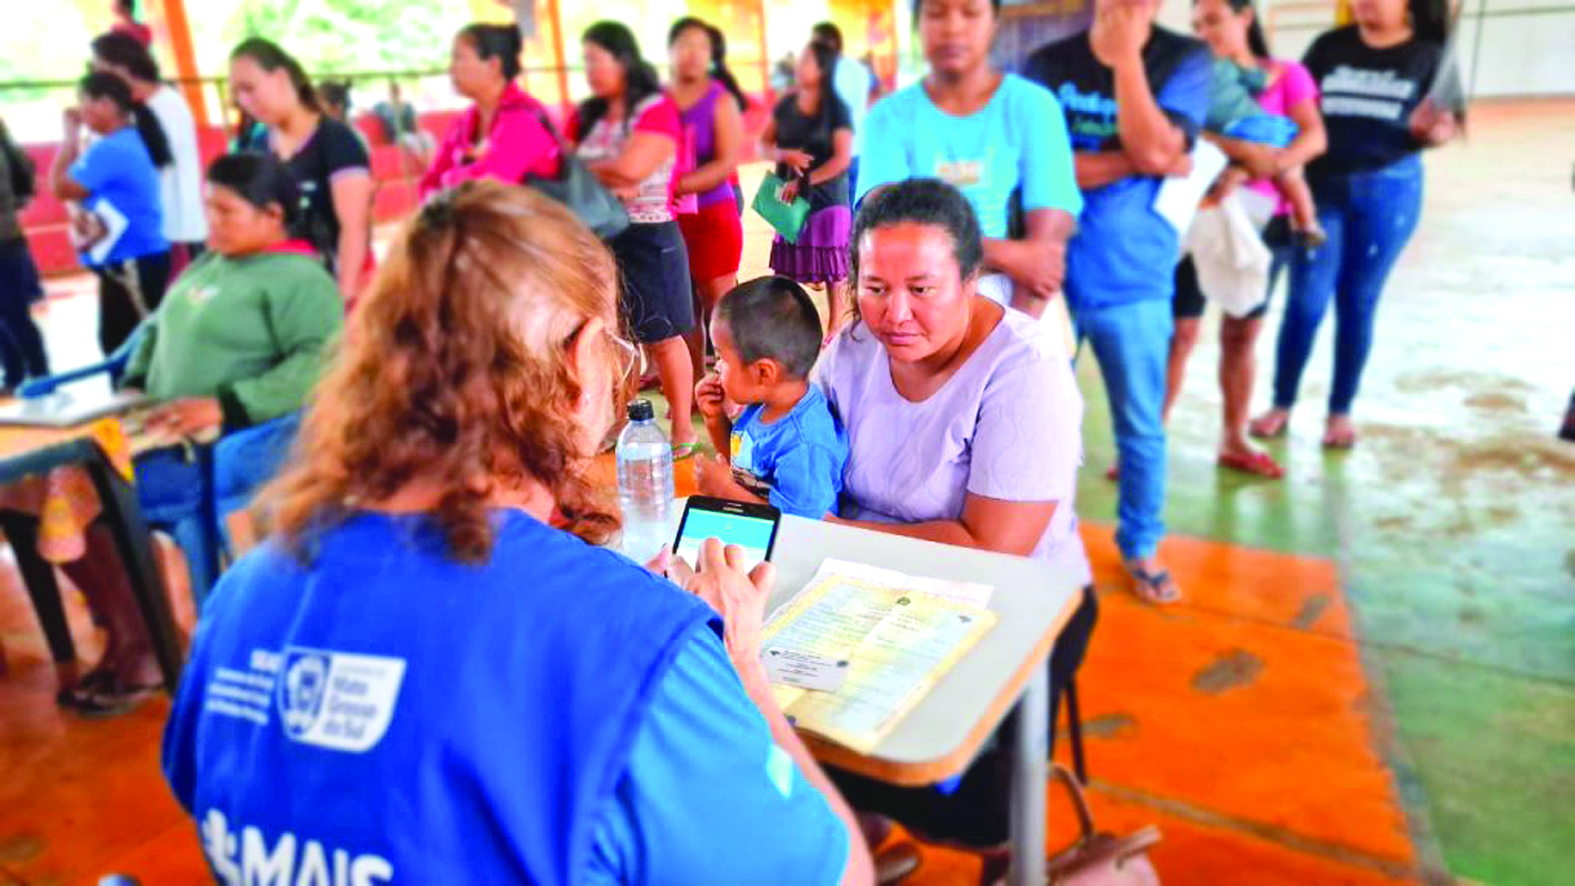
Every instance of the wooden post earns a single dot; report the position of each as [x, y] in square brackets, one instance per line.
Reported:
[765, 49]
[177, 29]
[563, 59]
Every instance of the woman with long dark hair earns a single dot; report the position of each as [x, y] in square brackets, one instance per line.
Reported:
[330, 164]
[238, 345]
[1232, 30]
[710, 106]
[628, 133]
[502, 135]
[120, 231]
[810, 136]
[1377, 78]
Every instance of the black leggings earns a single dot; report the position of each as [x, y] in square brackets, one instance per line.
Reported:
[21, 345]
[128, 292]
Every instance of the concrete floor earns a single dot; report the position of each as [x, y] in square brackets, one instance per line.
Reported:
[1372, 679]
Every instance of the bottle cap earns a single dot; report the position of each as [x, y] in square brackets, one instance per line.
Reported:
[641, 410]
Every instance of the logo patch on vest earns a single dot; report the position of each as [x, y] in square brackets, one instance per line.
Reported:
[337, 700]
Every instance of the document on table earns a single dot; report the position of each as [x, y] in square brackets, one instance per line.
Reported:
[850, 656]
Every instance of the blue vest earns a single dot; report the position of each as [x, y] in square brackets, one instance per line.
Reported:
[385, 714]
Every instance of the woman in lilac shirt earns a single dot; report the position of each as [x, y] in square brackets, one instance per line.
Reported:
[963, 420]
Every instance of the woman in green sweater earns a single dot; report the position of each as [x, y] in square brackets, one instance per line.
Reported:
[236, 345]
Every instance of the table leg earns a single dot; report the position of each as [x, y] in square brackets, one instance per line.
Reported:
[39, 576]
[1030, 778]
[123, 516]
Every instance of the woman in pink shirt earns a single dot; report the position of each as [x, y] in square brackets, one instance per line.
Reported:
[1231, 29]
[502, 135]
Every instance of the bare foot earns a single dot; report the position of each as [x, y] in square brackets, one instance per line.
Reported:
[1270, 424]
[1339, 432]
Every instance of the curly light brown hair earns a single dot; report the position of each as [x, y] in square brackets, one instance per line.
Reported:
[456, 371]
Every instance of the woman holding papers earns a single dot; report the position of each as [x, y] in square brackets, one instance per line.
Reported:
[963, 422]
[119, 231]
[457, 684]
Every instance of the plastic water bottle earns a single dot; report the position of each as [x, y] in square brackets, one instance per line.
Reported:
[645, 483]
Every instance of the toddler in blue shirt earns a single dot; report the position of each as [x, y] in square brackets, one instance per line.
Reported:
[783, 446]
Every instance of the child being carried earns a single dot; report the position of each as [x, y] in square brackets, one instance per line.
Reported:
[1234, 112]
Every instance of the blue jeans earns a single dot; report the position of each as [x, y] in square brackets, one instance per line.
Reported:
[246, 460]
[171, 488]
[1132, 344]
[1369, 217]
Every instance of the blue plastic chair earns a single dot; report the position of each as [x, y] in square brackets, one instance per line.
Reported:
[114, 365]
[203, 562]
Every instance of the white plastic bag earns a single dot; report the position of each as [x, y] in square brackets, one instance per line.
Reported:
[1231, 260]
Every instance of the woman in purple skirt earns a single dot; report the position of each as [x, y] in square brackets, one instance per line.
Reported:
[810, 136]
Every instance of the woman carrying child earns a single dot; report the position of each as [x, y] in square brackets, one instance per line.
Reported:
[1233, 32]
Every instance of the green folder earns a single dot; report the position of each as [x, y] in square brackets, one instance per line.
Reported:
[786, 218]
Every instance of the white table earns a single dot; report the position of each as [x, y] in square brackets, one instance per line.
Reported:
[940, 737]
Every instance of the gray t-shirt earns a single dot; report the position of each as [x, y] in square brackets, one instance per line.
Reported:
[1007, 425]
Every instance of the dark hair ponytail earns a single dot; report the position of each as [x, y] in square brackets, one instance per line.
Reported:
[1429, 20]
[719, 69]
[640, 80]
[502, 42]
[270, 57]
[102, 85]
[1257, 41]
[261, 180]
[826, 59]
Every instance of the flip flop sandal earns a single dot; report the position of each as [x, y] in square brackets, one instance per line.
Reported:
[685, 451]
[95, 680]
[115, 697]
[1259, 464]
[1149, 586]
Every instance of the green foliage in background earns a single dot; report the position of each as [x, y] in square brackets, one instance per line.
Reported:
[335, 36]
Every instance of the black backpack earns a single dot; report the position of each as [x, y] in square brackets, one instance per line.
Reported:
[23, 185]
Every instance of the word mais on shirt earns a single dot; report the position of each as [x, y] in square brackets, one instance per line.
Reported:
[246, 859]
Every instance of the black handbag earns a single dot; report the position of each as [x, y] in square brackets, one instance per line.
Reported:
[577, 188]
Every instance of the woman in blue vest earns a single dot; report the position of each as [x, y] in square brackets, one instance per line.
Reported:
[432, 674]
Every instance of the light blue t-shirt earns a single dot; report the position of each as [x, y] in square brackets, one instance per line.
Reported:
[708, 798]
[1017, 140]
[795, 462]
[853, 83]
[116, 170]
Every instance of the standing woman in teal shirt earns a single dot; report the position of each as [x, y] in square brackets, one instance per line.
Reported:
[989, 134]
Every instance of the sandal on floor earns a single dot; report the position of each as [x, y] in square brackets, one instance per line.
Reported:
[1269, 425]
[95, 680]
[1259, 464]
[112, 698]
[894, 863]
[684, 451]
[1154, 588]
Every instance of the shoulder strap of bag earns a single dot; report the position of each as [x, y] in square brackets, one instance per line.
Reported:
[1085, 819]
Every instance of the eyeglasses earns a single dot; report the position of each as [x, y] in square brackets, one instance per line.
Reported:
[627, 354]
